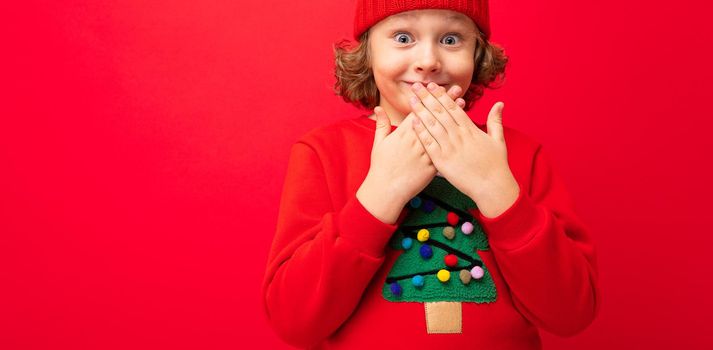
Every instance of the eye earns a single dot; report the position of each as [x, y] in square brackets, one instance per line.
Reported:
[402, 38]
[451, 39]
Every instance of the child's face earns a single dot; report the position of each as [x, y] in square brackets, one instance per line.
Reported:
[420, 46]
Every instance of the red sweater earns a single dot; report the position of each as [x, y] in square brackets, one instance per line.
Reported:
[329, 258]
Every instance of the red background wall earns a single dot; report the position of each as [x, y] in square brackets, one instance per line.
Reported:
[143, 147]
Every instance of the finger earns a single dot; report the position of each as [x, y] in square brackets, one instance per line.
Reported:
[452, 108]
[404, 128]
[447, 102]
[429, 98]
[383, 125]
[495, 121]
[453, 92]
[428, 121]
[429, 143]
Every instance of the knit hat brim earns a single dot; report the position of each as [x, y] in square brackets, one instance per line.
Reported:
[370, 12]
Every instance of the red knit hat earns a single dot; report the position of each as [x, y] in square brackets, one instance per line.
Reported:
[370, 12]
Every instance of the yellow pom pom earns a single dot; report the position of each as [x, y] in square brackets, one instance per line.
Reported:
[423, 235]
[443, 275]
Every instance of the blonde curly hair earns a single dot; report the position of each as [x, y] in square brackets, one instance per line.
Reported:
[356, 84]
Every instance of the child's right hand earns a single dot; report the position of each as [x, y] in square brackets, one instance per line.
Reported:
[400, 167]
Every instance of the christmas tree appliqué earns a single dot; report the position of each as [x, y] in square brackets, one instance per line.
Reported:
[440, 241]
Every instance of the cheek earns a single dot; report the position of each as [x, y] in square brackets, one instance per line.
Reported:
[380, 79]
[388, 70]
[386, 78]
[466, 69]
[390, 64]
[465, 64]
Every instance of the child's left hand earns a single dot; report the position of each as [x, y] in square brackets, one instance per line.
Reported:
[473, 161]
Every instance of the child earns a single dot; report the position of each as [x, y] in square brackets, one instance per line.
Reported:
[414, 226]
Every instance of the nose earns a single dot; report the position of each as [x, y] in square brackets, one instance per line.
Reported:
[428, 60]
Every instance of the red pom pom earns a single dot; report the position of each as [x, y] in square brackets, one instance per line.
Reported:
[452, 218]
[451, 260]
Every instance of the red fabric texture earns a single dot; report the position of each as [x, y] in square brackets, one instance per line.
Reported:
[370, 12]
[329, 258]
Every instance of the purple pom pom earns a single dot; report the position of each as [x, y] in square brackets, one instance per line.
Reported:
[395, 289]
[426, 251]
[428, 206]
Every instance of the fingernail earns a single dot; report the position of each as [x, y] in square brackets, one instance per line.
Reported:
[432, 86]
[416, 86]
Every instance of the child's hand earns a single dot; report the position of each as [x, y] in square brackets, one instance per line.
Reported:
[473, 161]
[400, 167]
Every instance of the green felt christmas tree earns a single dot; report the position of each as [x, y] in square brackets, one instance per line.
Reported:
[439, 264]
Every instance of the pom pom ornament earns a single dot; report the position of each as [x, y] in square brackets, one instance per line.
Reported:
[426, 251]
[443, 275]
[449, 232]
[477, 272]
[406, 243]
[417, 281]
[467, 227]
[429, 206]
[452, 218]
[396, 289]
[451, 260]
[415, 202]
[465, 276]
[423, 235]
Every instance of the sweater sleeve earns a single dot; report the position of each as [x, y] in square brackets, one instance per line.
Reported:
[322, 258]
[545, 254]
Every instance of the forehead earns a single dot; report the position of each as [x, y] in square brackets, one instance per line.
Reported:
[430, 14]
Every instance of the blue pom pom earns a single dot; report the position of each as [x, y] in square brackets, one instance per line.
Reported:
[406, 243]
[428, 206]
[395, 289]
[426, 251]
[415, 202]
[417, 281]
